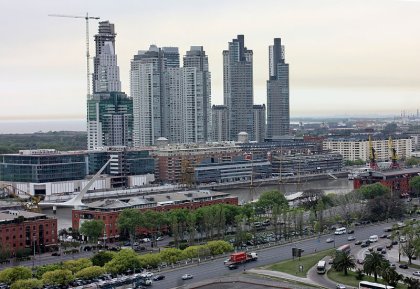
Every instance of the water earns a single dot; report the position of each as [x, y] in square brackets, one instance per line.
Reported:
[339, 186]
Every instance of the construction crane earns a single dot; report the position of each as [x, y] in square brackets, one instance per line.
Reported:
[372, 156]
[29, 202]
[393, 153]
[87, 17]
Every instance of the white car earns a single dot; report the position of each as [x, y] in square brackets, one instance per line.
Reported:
[329, 240]
[416, 273]
[340, 286]
[187, 276]
[351, 238]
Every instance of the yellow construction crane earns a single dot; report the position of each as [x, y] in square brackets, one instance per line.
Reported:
[30, 202]
[87, 17]
[372, 156]
[393, 154]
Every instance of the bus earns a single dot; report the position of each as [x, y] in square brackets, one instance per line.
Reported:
[340, 231]
[321, 268]
[371, 285]
[344, 248]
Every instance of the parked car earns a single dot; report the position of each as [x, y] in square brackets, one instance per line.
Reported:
[158, 277]
[403, 266]
[340, 286]
[379, 249]
[329, 240]
[395, 242]
[383, 236]
[160, 238]
[364, 245]
[358, 242]
[350, 231]
[187, 276]
[389, 246]
[392, 266]
[416, 273]
[56, 254]
[351, 238]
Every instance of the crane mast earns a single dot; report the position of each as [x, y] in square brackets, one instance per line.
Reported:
[87, 17]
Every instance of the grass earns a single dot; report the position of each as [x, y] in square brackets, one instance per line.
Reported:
[351, 280]
[292, 266]
[283, 280]
[412, 265]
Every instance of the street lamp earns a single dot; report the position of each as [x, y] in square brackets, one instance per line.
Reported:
[33, 260]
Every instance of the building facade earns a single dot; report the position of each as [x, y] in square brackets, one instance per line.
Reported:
[22, 230]
[108, 210]
[259, 122]
[306, 164]
[278, 111]
[238, 88]
[358, 148]
[220, 120]
[109, 111]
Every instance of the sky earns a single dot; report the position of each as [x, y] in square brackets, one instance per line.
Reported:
[346, 57]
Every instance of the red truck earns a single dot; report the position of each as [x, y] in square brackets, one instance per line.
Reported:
[241, 257]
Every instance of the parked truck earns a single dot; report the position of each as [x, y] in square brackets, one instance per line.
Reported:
[241, 257]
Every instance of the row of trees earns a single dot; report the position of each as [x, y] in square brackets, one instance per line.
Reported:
[375, 265]
[105, 262]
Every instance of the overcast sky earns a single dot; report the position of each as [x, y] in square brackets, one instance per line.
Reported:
[346, 57]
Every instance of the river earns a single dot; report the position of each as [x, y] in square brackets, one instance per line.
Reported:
[339, 186]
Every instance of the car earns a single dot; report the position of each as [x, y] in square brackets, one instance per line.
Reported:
[403, 266]
[403, 239]
[158, 277]
[351, 231]
[416, 273]
[340, 286]
[331, 261]
[226, 261]
[383, 236]
[395, 242]
[379, 249]
[358, 242]
[364, 245]
[56, 254]
[351, 238]
[160, 238]
[383, 252]
[370, 249]
[233, 266]
[145, 240]
[187, 276]
[329, 240]
[389, 246]
[392, 266]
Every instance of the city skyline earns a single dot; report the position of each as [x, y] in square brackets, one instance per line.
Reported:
[347, 57]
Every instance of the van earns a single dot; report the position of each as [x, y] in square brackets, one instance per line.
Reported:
[373, 238]
[340, 231]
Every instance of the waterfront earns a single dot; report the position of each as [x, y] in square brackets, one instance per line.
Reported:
[339, 186]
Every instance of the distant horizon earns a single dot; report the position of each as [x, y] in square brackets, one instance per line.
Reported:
[23, 126]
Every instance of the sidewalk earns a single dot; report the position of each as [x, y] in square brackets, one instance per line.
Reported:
[283, 276]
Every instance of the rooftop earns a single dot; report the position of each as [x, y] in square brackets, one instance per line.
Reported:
[10, 215]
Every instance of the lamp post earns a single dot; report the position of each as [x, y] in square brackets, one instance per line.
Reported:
[33, 259]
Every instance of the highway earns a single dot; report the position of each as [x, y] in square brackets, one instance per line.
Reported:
[216, 269]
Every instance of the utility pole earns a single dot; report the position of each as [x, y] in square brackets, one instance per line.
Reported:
[87, 17]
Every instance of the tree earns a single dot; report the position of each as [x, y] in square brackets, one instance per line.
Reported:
[101, 258]
[412, 283]
[390, 276]
[412, 162]
[219, 247]
[11, 275]
[310, 198]
[77, 265]
[374, 264]
[90, 272]
[128, 221]
[92, 229]
[415, 185]
[343, 261]
[269, 199]
[40, 270]
[27, 284]
[58, 277]
[171, 255]
[373, 190]
[382, 207]
[411, 247]
[123, 261]
[150, 260]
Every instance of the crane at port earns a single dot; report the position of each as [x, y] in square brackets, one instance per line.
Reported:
[28, 201]
[393, 155]
[372, 156]
[87, 18]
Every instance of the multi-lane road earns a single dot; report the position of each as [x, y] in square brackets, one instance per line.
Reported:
[216, 269]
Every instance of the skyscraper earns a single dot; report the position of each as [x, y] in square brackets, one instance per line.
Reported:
[259, 122]
[196, 57]
[220, 121]
[170, 101]
[238, 92]
[109, 111]
[278, 112]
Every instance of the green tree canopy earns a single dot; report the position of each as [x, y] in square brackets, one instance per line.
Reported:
[219, 247]
[58, 277]
[90, 272]
[101, 258]
[76, 265]
[343, 261]
[415, 185]
[374, 264]
[269, 199]
[124, 260]
[27, 284]
[40, 270]
[129, 220]
[171, 255]
[150, 260]
[373, 190]
[11, 275]
[92, 229]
